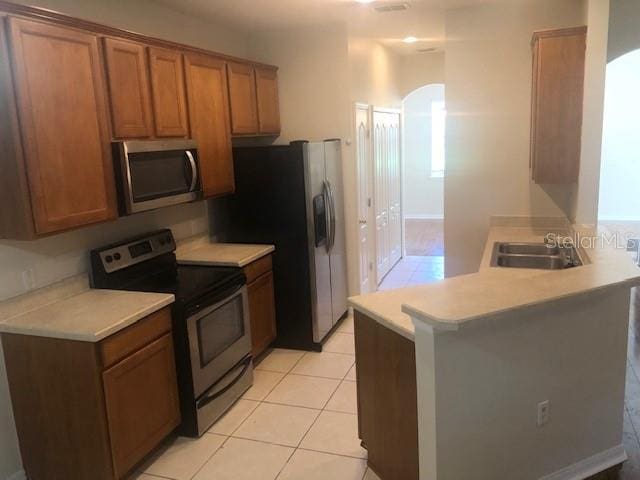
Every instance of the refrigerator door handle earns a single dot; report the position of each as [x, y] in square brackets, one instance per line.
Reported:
[332, 216]
[326, 194]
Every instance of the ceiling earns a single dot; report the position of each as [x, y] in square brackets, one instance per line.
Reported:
[423, 19]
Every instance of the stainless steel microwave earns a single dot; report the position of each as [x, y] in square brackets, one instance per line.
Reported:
[155, 174]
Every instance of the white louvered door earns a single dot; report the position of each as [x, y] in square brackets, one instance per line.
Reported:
[388, 193]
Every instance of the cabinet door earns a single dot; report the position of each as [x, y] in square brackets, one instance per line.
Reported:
[557, 98]
[63, 118]
[387, 399]
[207, 95]
[268, 101]
[262, 311]
[130, 102]
[242, 98]
[142, 402]
[169, 101]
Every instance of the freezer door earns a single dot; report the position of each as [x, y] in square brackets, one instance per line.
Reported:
[317, 201]
[337, 237]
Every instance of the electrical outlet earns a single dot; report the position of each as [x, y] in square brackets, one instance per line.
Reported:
[543, 413]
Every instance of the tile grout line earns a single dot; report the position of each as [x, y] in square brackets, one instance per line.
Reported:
[260, 402]
[635, 431]
[210, 456]
[263, 401]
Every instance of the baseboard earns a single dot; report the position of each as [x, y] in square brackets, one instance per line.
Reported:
[590, 466]
[18, 476]
[426, 216]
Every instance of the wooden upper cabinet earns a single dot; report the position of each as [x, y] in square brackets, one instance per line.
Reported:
[61, 106]
[127, 72]
[242, 98]
[168, 92]
[268, 101]
[209, 115]
[556, 105]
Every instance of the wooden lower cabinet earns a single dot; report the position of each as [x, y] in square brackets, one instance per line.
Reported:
[78, 417]
[262, 307]
[142, 402]
[387, 399]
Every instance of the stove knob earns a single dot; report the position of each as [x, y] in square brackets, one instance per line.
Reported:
[108, 259]
[117, 256]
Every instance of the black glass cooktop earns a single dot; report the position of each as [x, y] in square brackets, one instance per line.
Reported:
[188, 282]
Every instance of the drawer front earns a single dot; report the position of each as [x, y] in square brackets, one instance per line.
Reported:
[257, 268]
[133, 338]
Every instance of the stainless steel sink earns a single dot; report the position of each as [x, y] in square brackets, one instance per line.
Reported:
[534, 255]
[528, 249]
[545, 262]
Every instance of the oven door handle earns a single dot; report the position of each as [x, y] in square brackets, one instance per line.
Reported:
[210, 397]
[194, 170]
[213, 302]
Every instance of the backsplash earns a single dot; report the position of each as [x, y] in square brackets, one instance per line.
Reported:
[30, 265]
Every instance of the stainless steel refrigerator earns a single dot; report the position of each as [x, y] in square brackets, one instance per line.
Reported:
[292, 196]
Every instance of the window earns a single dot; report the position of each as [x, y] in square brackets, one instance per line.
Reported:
[438, 118]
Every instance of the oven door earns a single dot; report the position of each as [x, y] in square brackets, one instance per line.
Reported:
[219, 338]
[157, 174]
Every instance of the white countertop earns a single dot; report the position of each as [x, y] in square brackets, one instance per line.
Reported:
[204, 252]
[448, 304]
[90, 315]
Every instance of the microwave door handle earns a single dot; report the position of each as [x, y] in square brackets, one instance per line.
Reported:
[194, 170]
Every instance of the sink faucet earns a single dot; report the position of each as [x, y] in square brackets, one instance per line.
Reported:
[565, 244]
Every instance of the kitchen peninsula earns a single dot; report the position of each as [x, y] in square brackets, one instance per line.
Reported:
[513, 370]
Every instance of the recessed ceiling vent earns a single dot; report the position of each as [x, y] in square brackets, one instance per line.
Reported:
[391, 7]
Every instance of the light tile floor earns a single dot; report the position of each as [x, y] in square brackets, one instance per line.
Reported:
[412, 270]
[297, 422]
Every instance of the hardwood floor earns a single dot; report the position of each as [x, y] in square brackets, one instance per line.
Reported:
[424, 237]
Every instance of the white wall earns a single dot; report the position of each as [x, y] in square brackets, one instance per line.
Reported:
[479, 388]
[624, 34]
[374, 73]
[488, 95]
[419, 70]
[55, 258]
[423, 195]
[585, 210]
[313, 79]
[620, 169]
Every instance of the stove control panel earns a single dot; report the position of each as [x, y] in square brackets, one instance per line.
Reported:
[137, 250]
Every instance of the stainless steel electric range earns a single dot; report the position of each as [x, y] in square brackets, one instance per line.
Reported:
[210, 320]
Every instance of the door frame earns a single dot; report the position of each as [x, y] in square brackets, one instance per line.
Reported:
[371, 284]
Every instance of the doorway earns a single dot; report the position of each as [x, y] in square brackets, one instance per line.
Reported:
[423, 166]
[619, 203]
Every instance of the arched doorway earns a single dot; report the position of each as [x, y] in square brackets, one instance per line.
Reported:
[619, 202]
[423, 166]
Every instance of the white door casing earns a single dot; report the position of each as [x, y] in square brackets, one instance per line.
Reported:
[363, 153]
